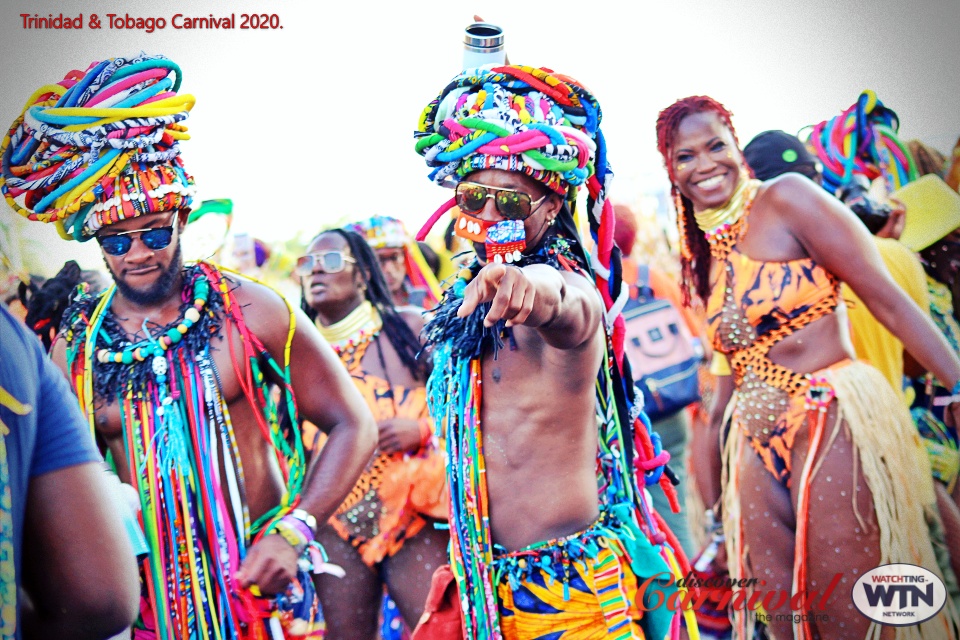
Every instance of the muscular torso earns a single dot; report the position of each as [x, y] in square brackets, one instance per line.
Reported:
[538, 419]
[263, 481]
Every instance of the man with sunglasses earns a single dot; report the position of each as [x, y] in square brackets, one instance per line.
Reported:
[179, 368]
[550, 529]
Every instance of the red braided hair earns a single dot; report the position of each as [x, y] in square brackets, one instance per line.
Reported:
[694, 250]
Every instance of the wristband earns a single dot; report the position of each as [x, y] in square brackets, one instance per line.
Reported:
[306, 518]
[287, 529]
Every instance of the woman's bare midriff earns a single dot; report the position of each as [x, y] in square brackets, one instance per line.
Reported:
[818, 345]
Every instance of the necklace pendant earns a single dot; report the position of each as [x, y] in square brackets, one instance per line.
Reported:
[159, 366]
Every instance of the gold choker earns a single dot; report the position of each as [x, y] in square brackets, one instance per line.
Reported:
[360, 324]
[712, 221]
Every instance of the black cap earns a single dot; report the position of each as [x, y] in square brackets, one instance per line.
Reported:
[773, 153]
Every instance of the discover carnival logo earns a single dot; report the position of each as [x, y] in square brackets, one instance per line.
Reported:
[899, 595]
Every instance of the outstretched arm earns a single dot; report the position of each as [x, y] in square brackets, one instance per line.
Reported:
[562, 306]
[835, 239]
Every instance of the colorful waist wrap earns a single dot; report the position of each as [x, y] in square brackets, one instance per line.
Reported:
[176, 426]
[580, 586]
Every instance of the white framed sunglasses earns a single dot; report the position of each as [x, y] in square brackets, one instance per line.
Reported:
[328, 261]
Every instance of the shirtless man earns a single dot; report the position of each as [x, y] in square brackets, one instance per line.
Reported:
[177, 367]
[544, 514]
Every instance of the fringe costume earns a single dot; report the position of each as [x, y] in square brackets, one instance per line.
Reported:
[754, 306]
[595, 572]
[176, 426]
[545, 126]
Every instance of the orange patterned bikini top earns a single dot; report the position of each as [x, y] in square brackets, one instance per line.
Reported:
[756, 304]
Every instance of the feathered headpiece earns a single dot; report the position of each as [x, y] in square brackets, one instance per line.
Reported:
[100, 146]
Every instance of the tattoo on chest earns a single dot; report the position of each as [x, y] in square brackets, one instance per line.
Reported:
[496, 374]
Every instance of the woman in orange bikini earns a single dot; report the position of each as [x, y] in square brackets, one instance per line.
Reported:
[823, 471]
[383, 534]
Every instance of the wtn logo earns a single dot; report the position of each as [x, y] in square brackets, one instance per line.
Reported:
[899, 594]
[908, 594]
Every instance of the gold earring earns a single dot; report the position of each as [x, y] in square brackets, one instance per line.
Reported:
[552, 222]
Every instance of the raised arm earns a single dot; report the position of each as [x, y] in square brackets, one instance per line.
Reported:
[562, 306]
[834, 237]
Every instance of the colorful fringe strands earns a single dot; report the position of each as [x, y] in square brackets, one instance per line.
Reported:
[99, 147]
[545, 125]
[175, 424]
[862, 140]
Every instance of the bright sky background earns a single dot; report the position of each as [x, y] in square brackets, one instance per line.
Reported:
[312, 125]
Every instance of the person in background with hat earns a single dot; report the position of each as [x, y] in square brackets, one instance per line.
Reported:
[933, 230]
[175, 366]
[410, 279]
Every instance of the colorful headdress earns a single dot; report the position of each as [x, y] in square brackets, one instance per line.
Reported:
[862, 140]
[534, 121]
[100, 146]
[383, 232]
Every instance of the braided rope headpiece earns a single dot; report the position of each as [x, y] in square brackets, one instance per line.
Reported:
[99, 146]
[382, 232]
[535, 121]
[862, 140]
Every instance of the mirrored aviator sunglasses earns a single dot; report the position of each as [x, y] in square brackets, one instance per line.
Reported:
[511, 204]
[118, 244]
[329, 261]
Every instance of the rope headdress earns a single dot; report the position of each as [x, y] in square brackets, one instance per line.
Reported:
[862, 141]
[384, 232]
[546, 126]
[539, 123]
[99, 147]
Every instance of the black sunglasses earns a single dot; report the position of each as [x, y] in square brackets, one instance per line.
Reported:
[510, 203]
[117, 244]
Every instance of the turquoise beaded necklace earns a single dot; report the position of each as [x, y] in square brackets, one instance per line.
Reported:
[155, 346]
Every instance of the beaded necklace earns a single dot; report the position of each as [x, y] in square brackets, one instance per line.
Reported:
[349, 337]
[176, 425]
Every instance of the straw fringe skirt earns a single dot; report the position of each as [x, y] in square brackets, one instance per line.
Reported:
[896, 469]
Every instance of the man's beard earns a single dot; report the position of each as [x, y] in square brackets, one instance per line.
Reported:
[159, 290]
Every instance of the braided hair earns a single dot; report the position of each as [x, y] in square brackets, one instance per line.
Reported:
[398, 332]
[694, 249]
[47, 303]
